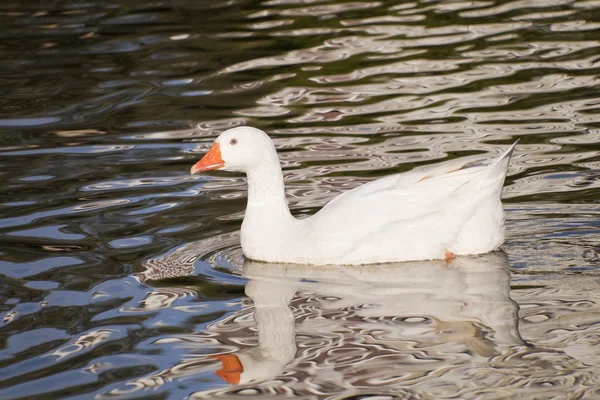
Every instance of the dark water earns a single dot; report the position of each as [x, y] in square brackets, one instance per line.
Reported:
[122, 274]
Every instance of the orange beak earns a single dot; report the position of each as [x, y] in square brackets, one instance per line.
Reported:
[232, 368]
[211, 160]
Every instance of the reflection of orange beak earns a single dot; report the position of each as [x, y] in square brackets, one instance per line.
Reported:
[211, 160]
[232, 368]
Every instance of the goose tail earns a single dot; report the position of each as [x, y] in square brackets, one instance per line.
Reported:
[505, 157]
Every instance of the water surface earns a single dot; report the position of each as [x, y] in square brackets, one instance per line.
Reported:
[122, 275]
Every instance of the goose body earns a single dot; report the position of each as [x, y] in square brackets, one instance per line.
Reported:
[418, 215]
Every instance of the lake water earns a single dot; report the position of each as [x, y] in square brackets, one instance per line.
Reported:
[122, 275]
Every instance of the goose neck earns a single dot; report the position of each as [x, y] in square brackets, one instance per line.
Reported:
[266, 187]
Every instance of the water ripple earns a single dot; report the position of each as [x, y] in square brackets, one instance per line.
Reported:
[124, 276]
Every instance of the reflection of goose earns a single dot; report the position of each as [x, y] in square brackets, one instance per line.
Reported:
[418, 215]
[276, 336]
[463, 304]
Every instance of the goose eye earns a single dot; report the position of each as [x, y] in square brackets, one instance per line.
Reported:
[233, 142]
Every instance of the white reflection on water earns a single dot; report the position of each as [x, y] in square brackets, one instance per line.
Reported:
[411, 328]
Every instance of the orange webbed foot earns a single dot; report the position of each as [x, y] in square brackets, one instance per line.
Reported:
[449, 256]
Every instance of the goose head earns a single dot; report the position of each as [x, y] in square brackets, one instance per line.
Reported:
[239, 149]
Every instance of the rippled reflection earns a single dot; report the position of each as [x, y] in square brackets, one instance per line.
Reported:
[376, 316]
[386, 329]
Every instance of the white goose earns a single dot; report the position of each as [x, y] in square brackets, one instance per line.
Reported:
[417, 215]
